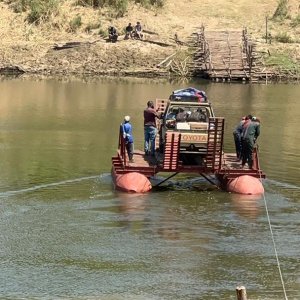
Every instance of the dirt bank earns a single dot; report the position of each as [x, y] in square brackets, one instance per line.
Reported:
[30, 48]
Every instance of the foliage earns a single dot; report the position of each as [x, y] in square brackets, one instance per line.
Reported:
[38, 10]
[103, 33]
[296, 21]
[41, 9]
[120, 6]
[149, 3]
[93, 3]
[19, 6]
[282, 61]
[282, 10]
[90, 26]
[75, 23]
[283, 37]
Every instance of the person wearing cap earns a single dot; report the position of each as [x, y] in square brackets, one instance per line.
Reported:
[237, 135]
[251, 131]
[150, 131]
[127, 134]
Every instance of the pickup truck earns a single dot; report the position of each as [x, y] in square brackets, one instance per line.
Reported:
[191, 118]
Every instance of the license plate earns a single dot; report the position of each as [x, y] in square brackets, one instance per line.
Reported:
[195, 138]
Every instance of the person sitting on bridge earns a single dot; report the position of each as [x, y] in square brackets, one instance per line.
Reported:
[112, 34]
[128, 31]
[138, 31]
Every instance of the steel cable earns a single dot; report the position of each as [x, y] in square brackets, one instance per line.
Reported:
[272, 236]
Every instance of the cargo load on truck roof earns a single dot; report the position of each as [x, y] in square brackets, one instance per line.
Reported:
[188, 95]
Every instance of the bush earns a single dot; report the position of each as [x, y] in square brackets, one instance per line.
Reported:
[120, 6]
[283, 37]
[103, 33]
[75, 23]
[40, 9]
[19, 6]
[281, 11]
[89, 27]
[296, 21]
[93, 3]
[148, 3]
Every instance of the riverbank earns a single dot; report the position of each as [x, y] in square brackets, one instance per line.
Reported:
[39, 48]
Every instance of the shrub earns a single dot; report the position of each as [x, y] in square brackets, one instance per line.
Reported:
[103, 33]
[281, 11]
[75, 23]
[120, 6]
[19, 6]
[89, 27]
[296, 21]
[40, 9]
[148, 3]
[283, 37]
[93, 3]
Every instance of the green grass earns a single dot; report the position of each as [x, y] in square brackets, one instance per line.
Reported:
[282, 61]
[283, 37]
[296, 21]
[75, 23]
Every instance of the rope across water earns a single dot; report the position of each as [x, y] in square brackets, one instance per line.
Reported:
[274, 244]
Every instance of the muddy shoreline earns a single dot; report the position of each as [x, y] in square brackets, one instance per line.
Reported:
[123, 59]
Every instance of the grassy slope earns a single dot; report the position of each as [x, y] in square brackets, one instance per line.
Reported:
[181, 17]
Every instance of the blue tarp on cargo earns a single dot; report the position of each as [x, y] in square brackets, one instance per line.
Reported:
[189, 94]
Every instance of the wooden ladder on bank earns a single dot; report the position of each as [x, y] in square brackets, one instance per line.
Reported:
[172, 149]
[215, 138]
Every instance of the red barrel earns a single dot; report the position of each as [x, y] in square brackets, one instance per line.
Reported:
[245, 185]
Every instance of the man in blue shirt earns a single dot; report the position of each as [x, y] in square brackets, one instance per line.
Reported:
[127, 134]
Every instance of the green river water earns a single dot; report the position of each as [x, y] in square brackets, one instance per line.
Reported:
[65, 233]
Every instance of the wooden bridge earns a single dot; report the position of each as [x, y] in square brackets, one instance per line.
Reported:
[225, 56]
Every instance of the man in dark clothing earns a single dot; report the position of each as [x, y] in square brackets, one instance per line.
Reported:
[112, 34]
[237, 135]
[150, 131]
[251, 131]
[128, 31]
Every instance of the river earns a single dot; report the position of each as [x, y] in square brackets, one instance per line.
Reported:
[67, 234]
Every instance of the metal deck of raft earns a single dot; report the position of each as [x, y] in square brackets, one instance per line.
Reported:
[215, 162]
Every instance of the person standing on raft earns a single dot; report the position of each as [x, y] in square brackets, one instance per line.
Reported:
[150, 130]
[251, 131]
[127, 134]
[237, 135]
